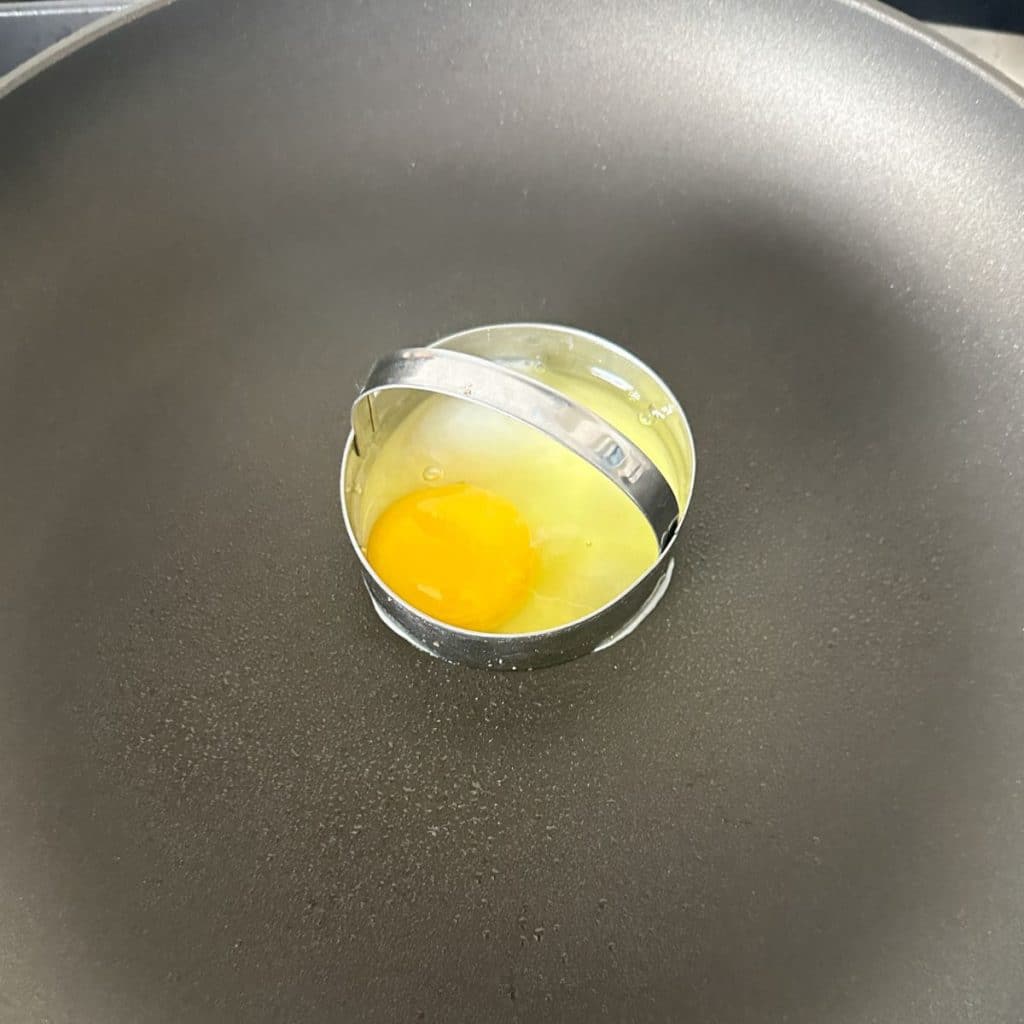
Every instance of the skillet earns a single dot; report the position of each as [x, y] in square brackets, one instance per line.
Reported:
[228, 794]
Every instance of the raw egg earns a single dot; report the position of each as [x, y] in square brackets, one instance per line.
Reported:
[485, 523]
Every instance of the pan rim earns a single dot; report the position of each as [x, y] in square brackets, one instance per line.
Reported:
[57, 51]
[874, 9]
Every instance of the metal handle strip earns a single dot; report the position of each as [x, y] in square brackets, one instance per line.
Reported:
[497, 387]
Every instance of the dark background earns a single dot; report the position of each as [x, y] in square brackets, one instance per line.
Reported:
[1003, 15]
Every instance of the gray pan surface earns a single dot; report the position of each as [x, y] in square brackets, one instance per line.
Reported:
[228, 794]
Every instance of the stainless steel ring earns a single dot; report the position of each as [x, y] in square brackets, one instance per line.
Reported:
[400, 382]
[504, 390]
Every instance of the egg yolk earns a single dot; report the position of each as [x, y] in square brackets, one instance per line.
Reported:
[459, 553]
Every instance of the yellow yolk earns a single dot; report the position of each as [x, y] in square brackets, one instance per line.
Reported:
[459, 553]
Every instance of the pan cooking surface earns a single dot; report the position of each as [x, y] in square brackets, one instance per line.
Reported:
[228, 793]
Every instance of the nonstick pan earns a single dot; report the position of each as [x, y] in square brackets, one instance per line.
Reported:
[228, 793]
